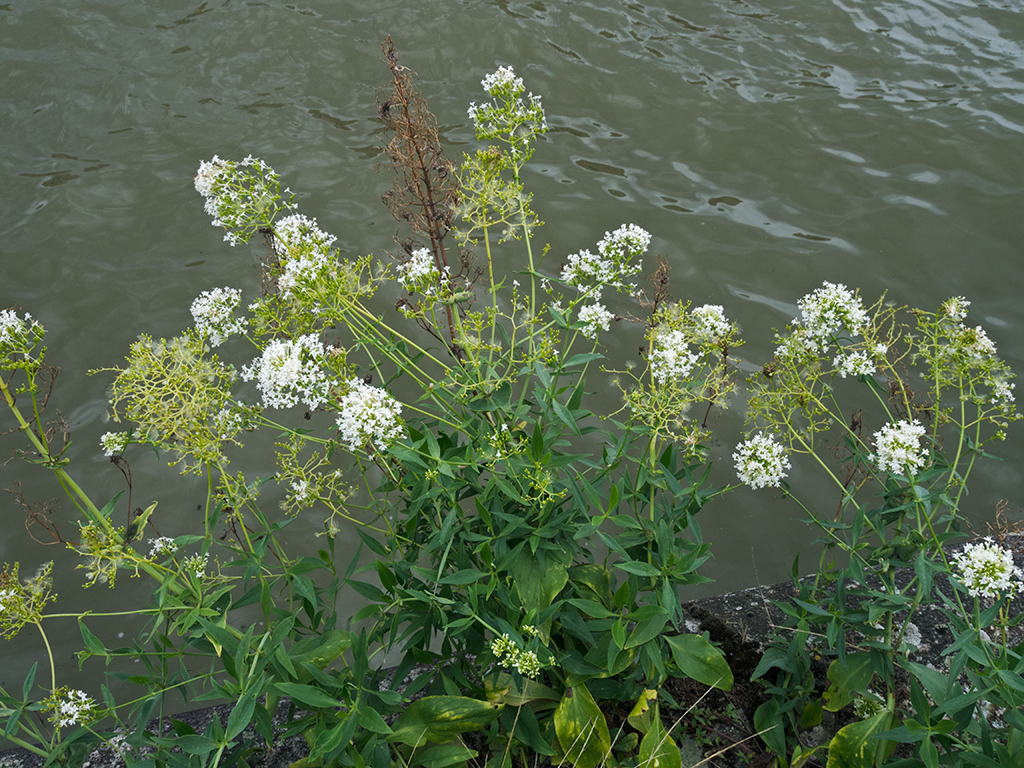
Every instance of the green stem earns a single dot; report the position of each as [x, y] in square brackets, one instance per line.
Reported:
[49, 656]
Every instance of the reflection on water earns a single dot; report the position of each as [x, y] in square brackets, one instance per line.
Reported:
[767, 146]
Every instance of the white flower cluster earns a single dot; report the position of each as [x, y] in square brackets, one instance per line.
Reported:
[670, 356]
[829, 310]
[710, 323]
[306, 250]
[214, 314]
[761, 462]
[595, 318]
[299, 233]
[15, 333]
[799, 345]
[588, 272]
[196, 565]
[618, 258]
[289, 372]
[858, 363]
[898, 448]
[207, 175]
[865, 707]
[114, 443]
[503, 79]
[628, 241]
[976, 343]
[1002, 394]
[162, 545]
[72, 708]
[369, 414]
[240, 196]
[508, 654]
[955, 308]
[301, 493]
[8, 599]
[988, 570]
[419, 273]
[508, 111]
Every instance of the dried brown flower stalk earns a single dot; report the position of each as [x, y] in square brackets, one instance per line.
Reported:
[426, 188]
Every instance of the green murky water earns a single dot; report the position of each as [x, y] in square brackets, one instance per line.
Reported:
[767, 147]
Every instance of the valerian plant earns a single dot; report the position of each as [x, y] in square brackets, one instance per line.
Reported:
[526, 554]
[934, 397]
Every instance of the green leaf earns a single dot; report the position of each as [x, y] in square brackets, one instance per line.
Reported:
[467, 576]
[371, 720]
[638, 568]
[848, 679]
[241, 714]
[538, 584]
[444, 756]
[657, 747]
[581, 358]
[854, 746]
[565, 415]
[30, 680]
[643, 715]
[92, 643]
[507, 691]
[195, 744]
[581, 729]
[646, 631]
[326, 648]
[698, 659]
[308, 695]
[441, 718]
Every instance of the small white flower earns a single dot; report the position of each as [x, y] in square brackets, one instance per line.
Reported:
[976, 343]
[595, 318]
[14, 333]
[8, 599]
[617, 259]
[670, 357]
[526, 663]
[419, 273]
[213, 313]
[207, 175]
[301, 492]
[629, 240]
[799, 346]
[114, 443]
[503, 80]
[369, 414]
[854, 364]
[709, 323]
[588, 272]
[71, 708]
[297, 232]
[196, 565]
[829, 310]
[988, 570]
[898, 448]
[761, 462]
[288, 372]
[866, 706]
[162, 545]
[1002, 393]
[955, 308]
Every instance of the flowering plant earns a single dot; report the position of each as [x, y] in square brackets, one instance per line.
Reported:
[526, 554]
[899, 507]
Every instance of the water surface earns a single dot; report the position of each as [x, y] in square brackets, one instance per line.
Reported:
[767, 146]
